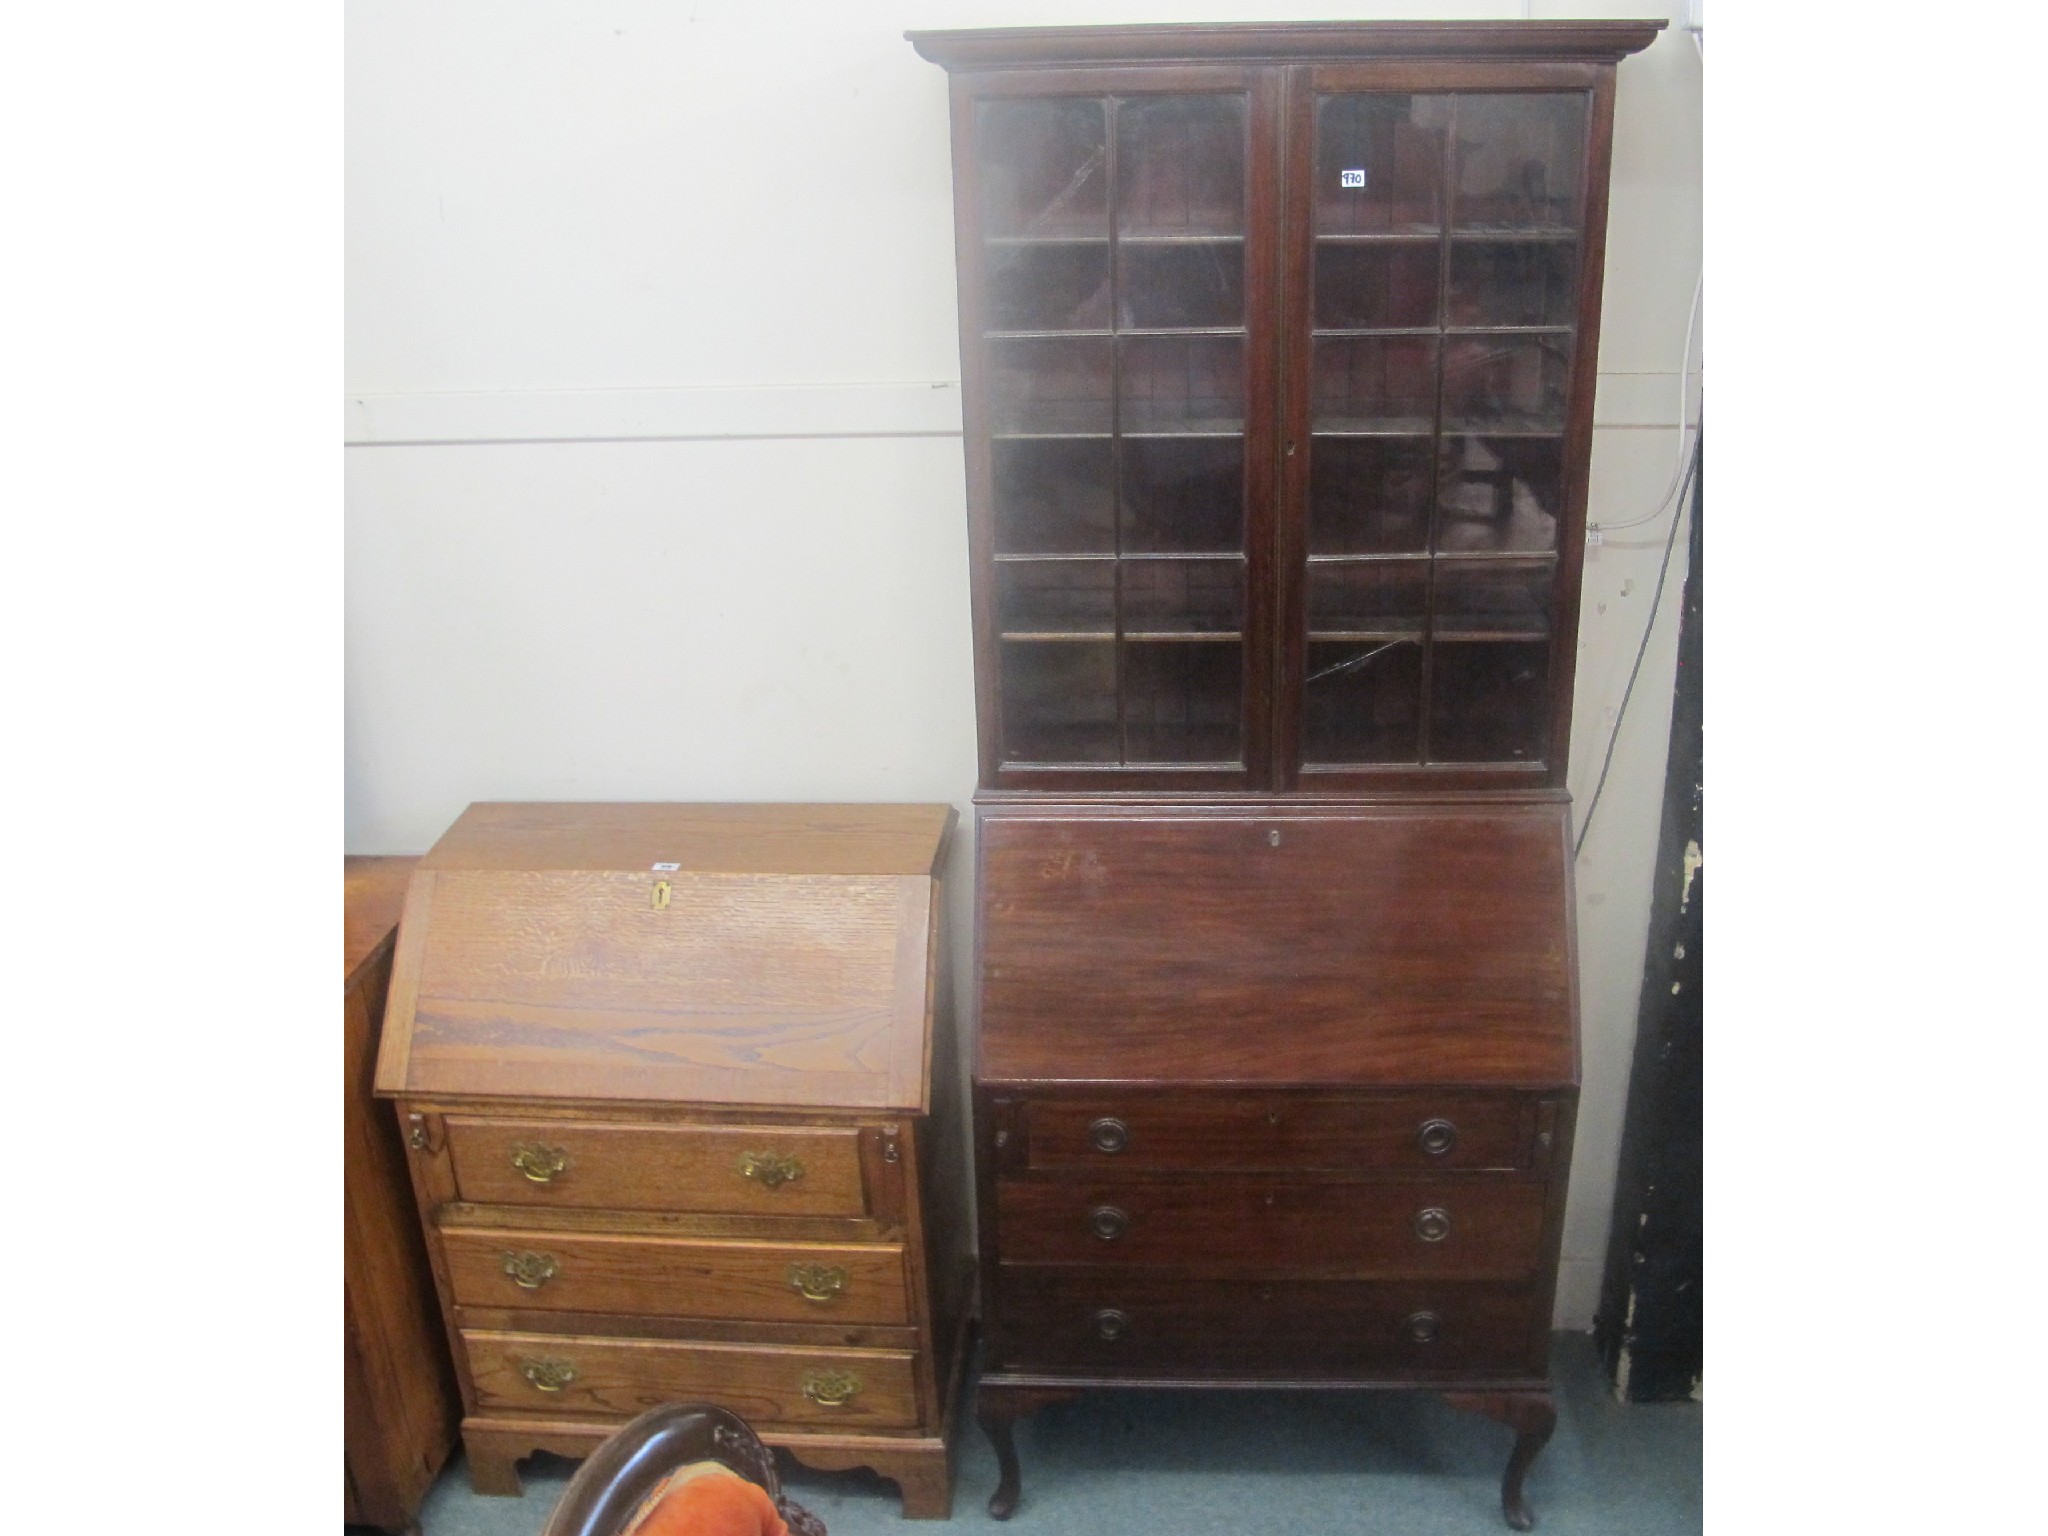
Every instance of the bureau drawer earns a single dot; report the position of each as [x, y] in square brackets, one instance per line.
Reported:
[1139, 1319]
[1253, 1131]
[720, 1169]
[1470, 1227]
[767, 1385]
[647, 1276]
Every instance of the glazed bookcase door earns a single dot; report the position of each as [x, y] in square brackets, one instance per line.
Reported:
[1440, 390]
[1117, 263]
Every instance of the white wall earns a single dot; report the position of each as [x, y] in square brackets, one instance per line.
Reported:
[654, 483]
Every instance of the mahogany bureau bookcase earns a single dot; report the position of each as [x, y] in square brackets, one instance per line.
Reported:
[678, 1087]
[1278, 346]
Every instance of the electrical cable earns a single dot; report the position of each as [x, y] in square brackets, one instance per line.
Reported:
[1656, 598]
[1684, 380]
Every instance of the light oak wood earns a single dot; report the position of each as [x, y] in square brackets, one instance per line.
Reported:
[698, 1128]
[567, 1271]
[646, 1168]
[399, 1405]
[765, 1385]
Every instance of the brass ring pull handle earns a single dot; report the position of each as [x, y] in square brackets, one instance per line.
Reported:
[817, 1282]
[1436, 1137]
[530, 1271]
[539, 1163]
[1108, 1223]
[547, 1375]
[1111, 1325]
[1109, 1134]
[771, 1170]
[1423, 1327]
[831, 1389]
[1433, 1225]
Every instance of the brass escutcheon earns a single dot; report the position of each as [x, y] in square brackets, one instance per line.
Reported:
[539, 1163]
[831, 1389]
[530, 1271]
[547, 1375]
[817, 1282]
[660, 895]
[770, 1169]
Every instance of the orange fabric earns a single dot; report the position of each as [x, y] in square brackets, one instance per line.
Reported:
[720, 1504]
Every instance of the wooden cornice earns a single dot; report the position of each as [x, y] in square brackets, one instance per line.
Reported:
[1602, 42]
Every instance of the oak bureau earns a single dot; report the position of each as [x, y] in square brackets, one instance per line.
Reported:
[677, 1086]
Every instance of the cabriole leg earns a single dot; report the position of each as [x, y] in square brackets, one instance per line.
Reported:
[1532, 1416]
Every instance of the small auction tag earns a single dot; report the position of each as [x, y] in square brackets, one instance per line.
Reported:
[663, 869]
[1352, 178]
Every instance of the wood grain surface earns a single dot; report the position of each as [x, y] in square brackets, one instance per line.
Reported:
[1052, 1319]
[659, 1168]
[1244, 1131]
[766, 839]
[624, 1377]
[373, 896]
[592, 1272]
[1389, 946]
[1251, 1225]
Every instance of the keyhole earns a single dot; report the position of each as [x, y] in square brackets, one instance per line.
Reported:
[1273, 838]
[660, 894]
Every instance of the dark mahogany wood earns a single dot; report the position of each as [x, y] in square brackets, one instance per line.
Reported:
[1231, 1222]
[1277, 1065]
[1532, 1416]
[1024, 47]
[1390, 945]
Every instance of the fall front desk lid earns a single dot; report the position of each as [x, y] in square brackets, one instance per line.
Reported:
[709, 954]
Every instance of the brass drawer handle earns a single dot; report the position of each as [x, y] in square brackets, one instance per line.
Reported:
[1109, 1134]
[831, 1389]
[771, 1170]
[530, 1271]
[1423, 1327]
[1108, 1223]
[1437, 1137]
[547, 1375]
[1111, 1325]
[539, 1163]
[1433, 1225]
[817, 1282]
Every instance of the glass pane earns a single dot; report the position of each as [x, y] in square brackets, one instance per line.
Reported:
[1363, 703]
[1500, 493]
[1056, 597]
[1053, 386]
[1361, 287]
[1187, 283]
[1495, 386]
[1052, 496]
[1180, 165]
[1495, 598]
[1379, 163]
[1183, 597]
[1044, 167]
[1183, 701]
[1377, 597]
[1183, 494]
[1488, 701]
[1368, 495]
[1525, 282]
[1521, 161]
[1059, 701]
[1182, 384]
[1376, 384]
[1056, 287]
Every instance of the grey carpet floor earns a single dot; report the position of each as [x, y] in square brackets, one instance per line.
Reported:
[1209, 1463]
